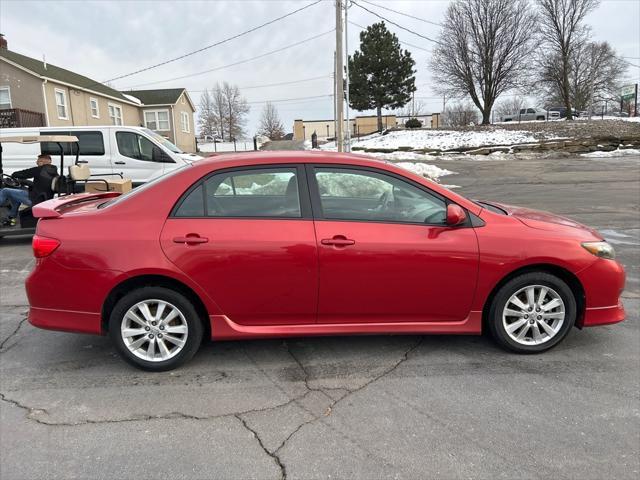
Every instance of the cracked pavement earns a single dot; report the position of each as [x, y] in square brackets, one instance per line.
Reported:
[343, 407]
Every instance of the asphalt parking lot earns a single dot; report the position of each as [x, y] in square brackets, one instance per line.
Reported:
[344, 407]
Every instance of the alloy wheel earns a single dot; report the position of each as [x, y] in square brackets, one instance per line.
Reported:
[154, 330]
[533, 315]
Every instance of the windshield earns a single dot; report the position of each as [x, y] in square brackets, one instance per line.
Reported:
[162, 141]
[143, 187]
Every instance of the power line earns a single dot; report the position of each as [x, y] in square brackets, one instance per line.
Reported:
[303, 80]
[403, 43]
[402, 13]
[235, 63]
[291, 99]
[394, 23]
[188, 54]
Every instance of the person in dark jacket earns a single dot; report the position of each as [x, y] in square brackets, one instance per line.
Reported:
[40, 190]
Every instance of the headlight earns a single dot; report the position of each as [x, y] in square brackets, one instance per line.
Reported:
[600, 249]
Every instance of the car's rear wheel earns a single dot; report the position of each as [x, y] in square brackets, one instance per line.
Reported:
[540, 118]
[155, 328]
[532, 312]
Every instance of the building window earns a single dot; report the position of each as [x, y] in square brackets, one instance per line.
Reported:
[61, 104]
[157, 120]
[5, 98]
[115, 114]
[95, 111]
[184, 121]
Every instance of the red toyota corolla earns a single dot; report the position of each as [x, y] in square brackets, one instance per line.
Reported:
[293, 244]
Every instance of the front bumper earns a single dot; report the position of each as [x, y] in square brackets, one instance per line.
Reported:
[603, 283]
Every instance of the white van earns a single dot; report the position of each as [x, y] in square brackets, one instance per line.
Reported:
[136, 152]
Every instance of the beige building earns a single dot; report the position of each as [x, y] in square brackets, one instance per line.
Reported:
[170, 113]
[34, 93]
[358, 126]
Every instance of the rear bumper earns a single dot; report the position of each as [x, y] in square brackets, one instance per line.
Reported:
[603, 316]
[65, 320]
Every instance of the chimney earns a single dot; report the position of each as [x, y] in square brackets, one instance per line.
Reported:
[3, 42]
[44, 61]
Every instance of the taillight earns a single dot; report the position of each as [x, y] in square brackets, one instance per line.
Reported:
[44, 246]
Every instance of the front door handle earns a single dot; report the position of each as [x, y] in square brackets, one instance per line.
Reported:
[120, 163]
[190, 239]
[338, 241]
[82, 161]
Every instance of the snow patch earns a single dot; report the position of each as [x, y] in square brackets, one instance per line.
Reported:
[425, 169]
[628, 152]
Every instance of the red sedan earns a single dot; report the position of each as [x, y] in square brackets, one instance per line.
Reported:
[294, 244]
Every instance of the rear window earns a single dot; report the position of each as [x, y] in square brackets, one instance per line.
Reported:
[91, 143]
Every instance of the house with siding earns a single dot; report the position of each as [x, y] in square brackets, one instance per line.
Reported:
[169, 112]
[34, 93]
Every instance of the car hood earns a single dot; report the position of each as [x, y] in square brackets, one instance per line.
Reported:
[542, 220]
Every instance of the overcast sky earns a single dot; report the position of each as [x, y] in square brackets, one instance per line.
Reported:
[106, 39]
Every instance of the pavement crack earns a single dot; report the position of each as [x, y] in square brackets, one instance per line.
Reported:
[31, 412]
[304, 370]
[350, 392]
[12, 334]
[273, 455]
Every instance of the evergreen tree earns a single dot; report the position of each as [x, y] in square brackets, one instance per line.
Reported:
[381, 74]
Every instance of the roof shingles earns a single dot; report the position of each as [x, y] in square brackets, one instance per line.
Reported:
[63, 75]
[165, 96]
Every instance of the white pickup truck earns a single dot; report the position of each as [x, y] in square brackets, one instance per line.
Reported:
[527, 114]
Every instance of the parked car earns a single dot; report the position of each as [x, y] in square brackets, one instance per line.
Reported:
[526, 114]
[136, 152]
[561, 112]
[310, 243]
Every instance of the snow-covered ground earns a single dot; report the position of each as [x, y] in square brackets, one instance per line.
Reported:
[425, 169]
[629, 152]
[440, 139]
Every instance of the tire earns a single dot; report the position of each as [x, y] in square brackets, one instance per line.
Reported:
[524, 332]
[540, 118]
[175, 340]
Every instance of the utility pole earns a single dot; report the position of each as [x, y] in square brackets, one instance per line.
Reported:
[335, 98]
[339, 78]
[346, 48]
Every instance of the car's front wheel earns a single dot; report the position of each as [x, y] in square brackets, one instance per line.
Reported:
[155, 328]
[532, 312]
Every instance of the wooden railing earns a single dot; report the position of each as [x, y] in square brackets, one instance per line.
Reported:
[18, 117]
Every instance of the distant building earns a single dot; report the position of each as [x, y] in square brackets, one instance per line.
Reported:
[359, 126]
[34, 93]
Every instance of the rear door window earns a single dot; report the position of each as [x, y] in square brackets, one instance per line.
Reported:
[91, 144]
[248, 193]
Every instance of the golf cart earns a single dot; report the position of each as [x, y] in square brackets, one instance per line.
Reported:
[60, 185]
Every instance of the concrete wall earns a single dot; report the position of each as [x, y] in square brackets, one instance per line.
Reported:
[26, 90]
[79, 108]
[303, 129]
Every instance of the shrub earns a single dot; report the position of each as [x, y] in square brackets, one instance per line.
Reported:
[413, 123]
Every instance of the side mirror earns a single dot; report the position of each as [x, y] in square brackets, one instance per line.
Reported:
[455, 215]
[160, 156]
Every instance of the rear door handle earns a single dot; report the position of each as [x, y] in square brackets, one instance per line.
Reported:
[120, 163]
[190, 239]
[338, 241]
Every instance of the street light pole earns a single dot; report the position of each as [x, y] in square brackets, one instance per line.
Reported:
[346, 48]
[339, 78]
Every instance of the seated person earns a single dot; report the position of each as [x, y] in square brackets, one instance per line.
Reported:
[42, 175]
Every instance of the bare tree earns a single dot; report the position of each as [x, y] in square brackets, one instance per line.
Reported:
[236, 111]
[206, 119]
[270, 124]
[564, 34]
[509, 106]
[219, 110]
[459, 114]
[595, 74]
[482, 50]
[413, 109]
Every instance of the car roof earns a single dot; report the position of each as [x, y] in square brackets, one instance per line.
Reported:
[293, 156]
